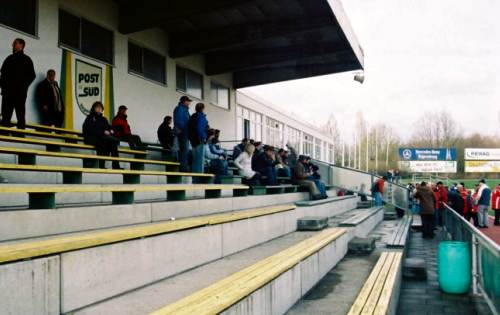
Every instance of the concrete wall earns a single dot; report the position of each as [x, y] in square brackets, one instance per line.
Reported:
[148, 102]
[283, 292]
[91, 275]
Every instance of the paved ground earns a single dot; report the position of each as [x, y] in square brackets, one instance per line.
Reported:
[424, 297]
[493, 232]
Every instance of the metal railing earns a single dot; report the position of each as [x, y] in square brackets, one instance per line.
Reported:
[485, 257]
[362, 182]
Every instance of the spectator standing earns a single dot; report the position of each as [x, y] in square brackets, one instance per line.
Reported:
[455, 201]
[122, 129]
[473, 206]
[397, 176]
[99, 133]
[244, 163]
[378, 191]
[264, 164]
[443, 199]
[197, 131]
[427, 203]
[181, 130]
[50, 102]
[495, 204]
[483, 202]
[300, 176]
[16, 75]
[165, 133]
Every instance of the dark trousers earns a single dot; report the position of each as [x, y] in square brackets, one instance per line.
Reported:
[497, 216]
[107, 146]
[254, 181]
[427, 225]
[472, 215]
[268, 176]
[133, 141]
[52, 118]
[183, 153]
[11, 103]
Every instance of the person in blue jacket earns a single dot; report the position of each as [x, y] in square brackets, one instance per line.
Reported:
[198, 127]
[181, 120]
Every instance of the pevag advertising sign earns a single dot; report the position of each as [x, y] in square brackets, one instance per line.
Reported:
[427, 154]
[88, 79]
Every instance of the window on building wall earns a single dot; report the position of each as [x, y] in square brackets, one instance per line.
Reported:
[274, 132]
[189, 82]
[219, 95]
[331, 152]
[249, 124]
[20, 15]
[146, 63]
[308, 144]
[293, 136]
[86, 37]
[317, 149]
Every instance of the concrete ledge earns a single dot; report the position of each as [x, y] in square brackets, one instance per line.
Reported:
[328, 207]
[284, 291]
[366, 223]
[30, 287]
[91, 275]
[19, 224]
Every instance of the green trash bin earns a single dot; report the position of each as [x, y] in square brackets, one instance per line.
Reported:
[454, 267]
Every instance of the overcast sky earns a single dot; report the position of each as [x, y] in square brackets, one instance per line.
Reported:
[420, 55]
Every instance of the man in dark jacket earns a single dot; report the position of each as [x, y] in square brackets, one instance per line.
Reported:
[456, 202]
[122, 129]
[16, 75]
[198, 127]
[181, 120]
[99, 133]
[166, 134]
[427, 202]
[239, 148]
[264, 164]
[50, 102]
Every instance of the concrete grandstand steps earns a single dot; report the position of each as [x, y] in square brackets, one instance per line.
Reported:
[279, 286]
[360, 221]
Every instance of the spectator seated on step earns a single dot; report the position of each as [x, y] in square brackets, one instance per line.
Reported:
[239, 148]
[122, 129]
[98, 132]
[214, 145]
[265, 163]
[316, 177]
[217, 163]
[301, 176]
[244, 163]
[166, 134]
[283, 166]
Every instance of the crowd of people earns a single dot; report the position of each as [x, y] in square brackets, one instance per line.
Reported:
[431, 201]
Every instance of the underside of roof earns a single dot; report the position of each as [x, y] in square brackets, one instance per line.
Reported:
[258, 41]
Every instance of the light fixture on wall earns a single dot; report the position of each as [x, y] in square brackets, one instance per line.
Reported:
[360, 77]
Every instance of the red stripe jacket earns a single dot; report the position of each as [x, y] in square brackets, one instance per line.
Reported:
[495, 199]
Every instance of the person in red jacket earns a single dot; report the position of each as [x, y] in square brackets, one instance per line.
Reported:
[474, 206]
[495, 204]
[443, 199]
[122, 129]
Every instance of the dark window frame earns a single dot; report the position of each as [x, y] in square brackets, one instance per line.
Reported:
[141, 74]
[186, 70]
[222, 86]
[36, 24]
[79, 50]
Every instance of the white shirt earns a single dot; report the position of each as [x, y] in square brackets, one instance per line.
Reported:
[244, 163]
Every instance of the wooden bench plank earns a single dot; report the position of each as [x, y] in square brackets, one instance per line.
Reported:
[226, 292]
[42, 134]
[57, 245]
[52, 129]
[59, 169]
[63, 144]
[400, 235]
[367, 288]
[17, 151]
[372, 300]
[389, 286]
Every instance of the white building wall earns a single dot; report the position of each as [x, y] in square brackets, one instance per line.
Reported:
[148, 101]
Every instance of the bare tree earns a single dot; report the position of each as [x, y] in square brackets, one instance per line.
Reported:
[436, 129]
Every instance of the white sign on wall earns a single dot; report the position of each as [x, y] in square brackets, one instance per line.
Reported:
[429, 166]
[482, 154]
[482, 166]
[88, 85]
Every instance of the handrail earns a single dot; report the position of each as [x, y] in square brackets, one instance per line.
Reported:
[481, 246]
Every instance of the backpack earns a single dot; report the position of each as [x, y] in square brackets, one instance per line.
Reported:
[193, 132]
